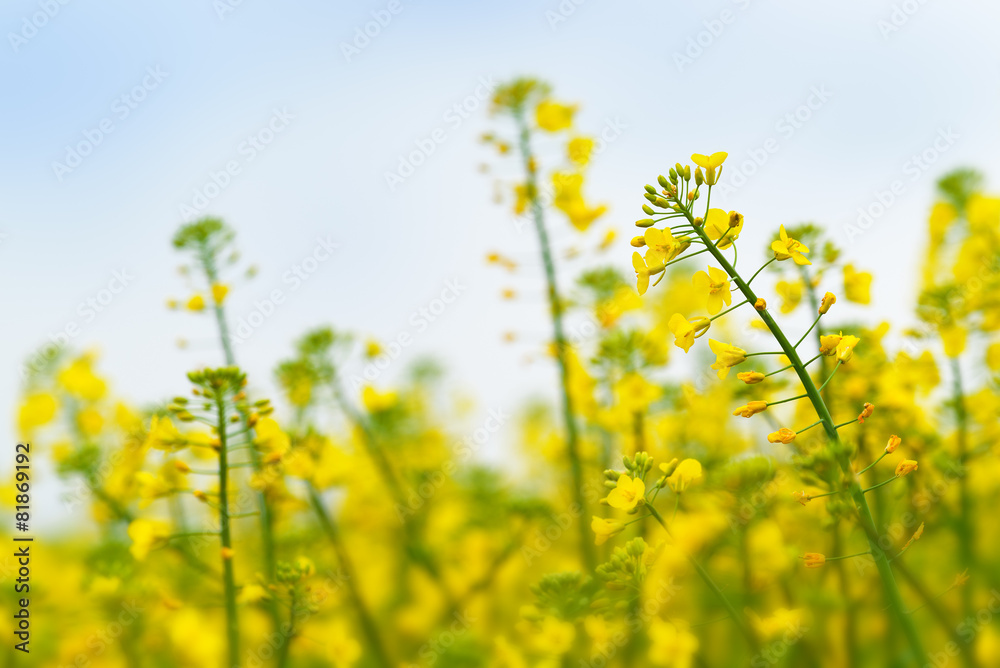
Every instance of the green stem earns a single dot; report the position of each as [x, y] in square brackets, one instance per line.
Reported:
[966, 552]
[738, 618]
[587, 551]
[365, 619]
[266, 519]
[893, 595]
[228, 578]
[880, 458]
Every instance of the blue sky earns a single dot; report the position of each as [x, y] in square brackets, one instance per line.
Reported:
[842, 99]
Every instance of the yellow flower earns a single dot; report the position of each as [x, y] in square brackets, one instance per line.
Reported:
[605, 529]
[893, 443]
[717, 227]
[568, 198]
[686, 473]
[80, 380]
[790, 293]
[711, 164]
[555, 636]
[219, 292]
[866, 412]
[685, 331]
[196, 303]
[716, 283]
[953, 337]
[814, 559]
[662, 246]
[270, 437]
[145, 535]
[751, 408]
[829, 299]
[579, 149]
[783, 435]
[627, 494]
[787, 248]
[89, 421]
[671, 645]
[905, 467]
[751, 377]
[709, 161]
[828, 343]
[642, 273]
[252, 593]
[38, 409]
[802, 497]
[857, 285]
[726, 356]
[377, 402]
[553, 117]
[163, 435]
[846, 346]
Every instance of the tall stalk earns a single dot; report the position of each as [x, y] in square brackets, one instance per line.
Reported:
[587, 551]
[893, 595]
[228, 578]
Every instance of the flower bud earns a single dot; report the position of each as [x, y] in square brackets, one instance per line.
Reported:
[893, 443]
[905, 467]
[644, 222]
[638, 242]
[829, 299]
[760, 304]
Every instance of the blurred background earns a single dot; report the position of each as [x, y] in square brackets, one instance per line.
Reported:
[343, 142]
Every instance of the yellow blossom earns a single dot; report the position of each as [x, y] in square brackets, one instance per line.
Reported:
[717, 227]
[89, 421]
[219, 292]
[80, 380]
[893, 443]
[711, 164]
[627, 494]
[685, 331]
[671, 645]
[751, 408]
[783, 435]
[953, 337]
[751, 377]
[726, 356]
[787, 248]
[790, 293]
[553, 117]
[716, 283]
[196, 303]
[802, 497]
[686, 473]
[829, 299]
[662, 246]
[814, 559]
[846, 346]
[146, 535]
[857, 285]
[579, 149]
[163, 435]
[828, 343]
[38, 409]
[568, 198]
[866, 412]
[642, 272]
[377, 402]
[604, 529]
[905, 467]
